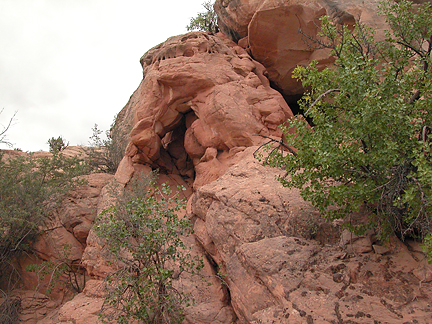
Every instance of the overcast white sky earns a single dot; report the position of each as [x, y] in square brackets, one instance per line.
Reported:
[68, 64]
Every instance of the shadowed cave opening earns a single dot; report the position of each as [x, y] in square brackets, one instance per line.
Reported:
[293, 102]
[175, 160]
[173, 156]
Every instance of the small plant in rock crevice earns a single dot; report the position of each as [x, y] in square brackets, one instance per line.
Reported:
[143, 234]
[104, 155]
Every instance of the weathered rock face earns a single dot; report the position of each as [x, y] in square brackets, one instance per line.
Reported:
[246, 205]
[63, 240]
[267, 253]
[83, 309]
[211, 301]
[269, 29]
[259, 234]
[202, 97]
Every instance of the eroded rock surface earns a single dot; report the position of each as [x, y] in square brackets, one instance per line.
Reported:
[268, 255]
[202, 98]
[269, 30]
[83, 309]
[63, 240]
[260, 235]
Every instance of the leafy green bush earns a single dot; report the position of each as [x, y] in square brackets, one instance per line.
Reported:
[371, 111]
[57, 144]
[105, 154]
[30, 190]
[205, 21]
[143, 233]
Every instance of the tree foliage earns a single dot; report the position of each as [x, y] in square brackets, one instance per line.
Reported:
[369, 141]
[30, 190]
[57, 144]
[105, 154]
[143, 233]
[205, 21]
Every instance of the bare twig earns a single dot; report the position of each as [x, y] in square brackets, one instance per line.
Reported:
[415, 50]
[319, 98]
[5, 129]
[272, 140]
[314, 43]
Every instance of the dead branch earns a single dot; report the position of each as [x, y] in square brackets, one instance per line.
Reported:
[319, 98]
[272, 140]
[5, 129]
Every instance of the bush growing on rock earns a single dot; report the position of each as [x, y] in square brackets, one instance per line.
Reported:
[62, 269]
[57, 144]
[30, 191]
[143, 233]
[105, 154]
[205, 21]
[369, 142]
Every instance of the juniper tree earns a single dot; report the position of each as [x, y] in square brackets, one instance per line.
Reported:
[369, 141]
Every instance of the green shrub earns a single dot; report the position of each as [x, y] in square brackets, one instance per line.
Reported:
[368, 143]
[143, 233]
[105, 154]
[205, 21]
[57, 144]
[30, 190]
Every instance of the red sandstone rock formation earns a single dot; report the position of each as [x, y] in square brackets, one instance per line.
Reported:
[269, 30]
[64, 238]
[202, 98]
[281, 263]
[259, 234]
[195, 116]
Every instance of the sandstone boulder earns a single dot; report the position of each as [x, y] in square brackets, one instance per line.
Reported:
[260, 235]
[248, 204]
[84, 308]
[79, 208]
[202, 97]
[269, 29]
